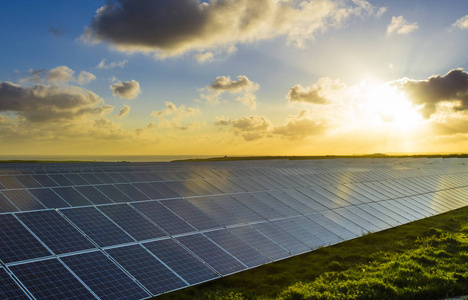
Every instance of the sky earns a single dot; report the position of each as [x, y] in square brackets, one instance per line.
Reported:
[233, 77]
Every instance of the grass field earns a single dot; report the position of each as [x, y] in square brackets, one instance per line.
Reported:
[427, 259]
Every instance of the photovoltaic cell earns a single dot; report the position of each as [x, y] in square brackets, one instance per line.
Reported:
[59, 235]
[215, 211]
[237, 248]
[181, 261]
[22, 199]
[293, 245]
[61, 180]
[181, 188]
[190, 214]
[104, 178]
[166, 191]
[299, 233]
[132, 222]
[91, 178]
[257, 206]
[236, 208]
[76, 179]
[103, 277]
[150, 272]
[324, 235]
[217, 258]
[132, 192]
[260, 242]
[97, 226]
[114, 193]
[44, 180]
[17, 243]
[5, 205]
[163, 217]
[328, 224]
[9, 182]
[148, 190]
[49, 279]
[72, 196]
[28, 181]
[93, 194]
[9, 289]
[49, 198]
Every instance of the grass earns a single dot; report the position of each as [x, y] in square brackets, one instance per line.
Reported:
[427, 259]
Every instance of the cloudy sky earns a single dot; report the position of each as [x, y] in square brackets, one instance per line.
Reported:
[233, 77]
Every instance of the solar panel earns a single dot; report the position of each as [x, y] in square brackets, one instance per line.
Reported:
[104, 277]
[246, 254]
[97, 226]
[17, 243]
[9, 289]
[49, 279]
[163, 217]
[216, 257]
[132, 222]
[190, 214]
[73, 197]
[130, 234]
[182, 262]
[49, 198]
[59, 235]
[148, 270]
[22, 199]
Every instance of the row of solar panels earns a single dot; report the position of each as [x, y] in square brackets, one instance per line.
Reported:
[123, 251]
[318, 188]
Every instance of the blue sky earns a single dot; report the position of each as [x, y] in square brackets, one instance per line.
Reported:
[321, 77]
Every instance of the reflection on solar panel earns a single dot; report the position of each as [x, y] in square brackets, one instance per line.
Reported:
[136, 230]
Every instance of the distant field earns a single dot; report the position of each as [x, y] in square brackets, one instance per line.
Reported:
[427, 259]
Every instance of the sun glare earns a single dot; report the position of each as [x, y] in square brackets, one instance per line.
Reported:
[387, 106]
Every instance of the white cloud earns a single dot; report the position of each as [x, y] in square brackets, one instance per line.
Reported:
[115, 64]
[124, 111]
[461, 23]
[61, 74]
[243, 87]
[401, 26]
[145, 26]
[85, 78]
[127, 90]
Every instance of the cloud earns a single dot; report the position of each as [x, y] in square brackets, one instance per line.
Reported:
[452, 87]
[43, 103]
[401, 26]
[85, 78]
[191, 25]
[250, 128]
[114, 64]
[127, 90]
[36, 76]
[124, 111]
[176, 114]
[224, 84]
[204, 57]
[318, 93]
[61, 74]
[299, 127]
[461, 23]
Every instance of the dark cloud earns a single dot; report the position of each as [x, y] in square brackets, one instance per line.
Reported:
[224, 83]
[173, 27]
[453, 86]
[127, 89]
[43, 103]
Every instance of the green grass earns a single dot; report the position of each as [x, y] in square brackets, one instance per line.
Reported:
[427, 259]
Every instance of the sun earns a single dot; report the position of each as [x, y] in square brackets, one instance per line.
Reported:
[386, 106]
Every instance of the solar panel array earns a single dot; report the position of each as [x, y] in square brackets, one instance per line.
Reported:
[137, 230]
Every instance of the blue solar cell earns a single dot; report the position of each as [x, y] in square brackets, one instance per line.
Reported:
[113, 193]
[72, 196]
[91, 178]
[148, 190]
[97, 226]
[166, 191]
[17, 243]
[117, 177]
[49, 198]
[104, 178]
[217, 258]
[333, 227]
[181, 188]
[149, 271]
[237, 209]
[132, 192]
[76, 179]
[298, 232]
[9, 289]
[28, 181]
[6, 205]
[181, 261]
[44, 180]
[22, 199]
[59, 235]
[260, 242]
[257, 206]
[190, 214]
[9, 182]
[61, 180]
[93, 194]
[327, 237]
[237, 248]
[49, 279]
[132, 222]
[103, 277]
[285, 240]
[219, 214]
[162, 216]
